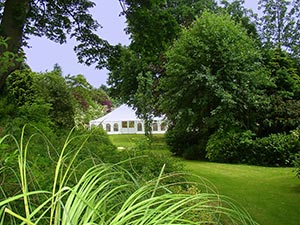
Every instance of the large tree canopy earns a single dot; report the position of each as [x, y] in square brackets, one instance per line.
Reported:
[152, 25]
[136, 70]
[212, 79]
[55, 19]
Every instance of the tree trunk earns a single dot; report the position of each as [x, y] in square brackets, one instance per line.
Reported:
[12, 28]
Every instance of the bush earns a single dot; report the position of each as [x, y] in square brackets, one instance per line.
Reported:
[44, 152]
[231, 147]
[191, 152]
[98, 145]
[241, 147]
[296, 164]
[186, 144]
[276, 150]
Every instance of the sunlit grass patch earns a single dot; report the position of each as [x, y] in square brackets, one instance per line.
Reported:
[270, 195]
[139, 141]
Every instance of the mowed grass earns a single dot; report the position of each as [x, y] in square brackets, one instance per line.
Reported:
[139, 141]
[270, 195]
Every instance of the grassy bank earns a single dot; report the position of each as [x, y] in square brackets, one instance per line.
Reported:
[270, 195]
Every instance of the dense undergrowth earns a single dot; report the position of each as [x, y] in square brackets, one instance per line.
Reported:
[72, 183]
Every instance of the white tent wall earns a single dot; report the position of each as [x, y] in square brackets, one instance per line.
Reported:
[123, 120]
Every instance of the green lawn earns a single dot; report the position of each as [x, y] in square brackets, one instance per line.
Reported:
[136, 140]
[270, 195]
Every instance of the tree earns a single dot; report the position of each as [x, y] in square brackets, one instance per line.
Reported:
[89, 103]
[153, 26]
[213, 78]
[22, 104]
[280, 24]
[52, 88]
[57, 20]
[242, 15]
[282, 113]
[280, 34]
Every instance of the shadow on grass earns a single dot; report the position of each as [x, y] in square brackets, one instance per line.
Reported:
[295, 189]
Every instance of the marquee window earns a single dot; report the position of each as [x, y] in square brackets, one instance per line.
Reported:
[154, 127]
[124, 124]
[131, 124]
[116, 127]
[139, 127]
[108, 127]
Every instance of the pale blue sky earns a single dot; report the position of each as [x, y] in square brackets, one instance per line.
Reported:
[43, 53]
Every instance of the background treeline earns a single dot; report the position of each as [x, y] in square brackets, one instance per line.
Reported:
[50, 101]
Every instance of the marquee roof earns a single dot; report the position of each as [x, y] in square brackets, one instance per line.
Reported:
[122, 113]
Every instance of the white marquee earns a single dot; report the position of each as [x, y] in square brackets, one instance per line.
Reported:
[123, 120]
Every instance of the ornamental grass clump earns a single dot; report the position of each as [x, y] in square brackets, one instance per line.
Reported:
[109, 194]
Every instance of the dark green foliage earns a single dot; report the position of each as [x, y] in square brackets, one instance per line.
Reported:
[153, 26]
[243, 147]
[281, 114]
[52, 88]
[231, 146]
[122, 79]
[213, 81]
[147, 165]
[39, 99]
[22, 104]
[193, 152]
[21, 87]
[98, 146]
[190, 145]
[43, 153]
[276, 149]
[296, 164]
[283, 71]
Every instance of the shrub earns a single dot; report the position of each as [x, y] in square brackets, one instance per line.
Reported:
[276, 150]
[98, 144]
[233, 146]
[241, 147]
[143, 144]
[94, 145]
[186, 144]
[296, 164]
[191, 152]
